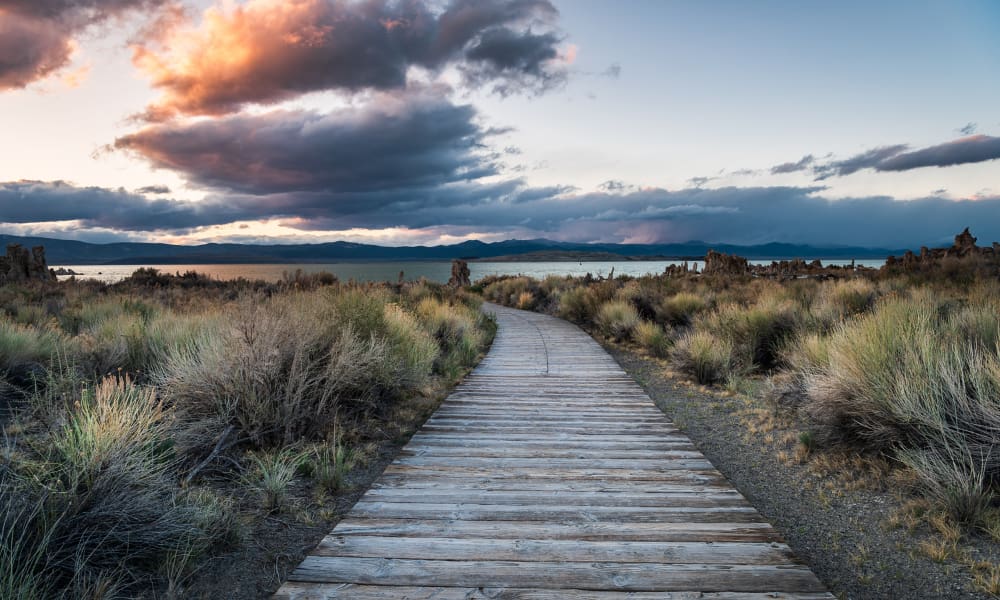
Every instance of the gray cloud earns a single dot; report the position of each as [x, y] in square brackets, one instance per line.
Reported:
[791, 167]
[153, 190]
[516, 61]
[865, 160]
[734, 215]
[293, 48]
[396, 141]
[36, 35]
[41, 202]
[972, 149]
[896, 157]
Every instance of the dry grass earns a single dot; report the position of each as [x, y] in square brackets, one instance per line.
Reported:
[617, 320]
[95, 494]
[703, 357]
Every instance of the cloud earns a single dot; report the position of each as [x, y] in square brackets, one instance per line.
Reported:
[971, 149]
[865, 160]
[791, 167]
[153, 190]
[97, 207]
[266, 51]
[395, 141]
[742, 215]
[30, 49]
[897, 157]
[37, 36]
[516, 61]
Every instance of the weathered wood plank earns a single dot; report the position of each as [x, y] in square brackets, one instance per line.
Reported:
[590, 514]
[684, 531]
[479, 549]
[556, 575]
[452, 495]
[336, 591]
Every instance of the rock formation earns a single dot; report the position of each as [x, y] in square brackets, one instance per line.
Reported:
[21, 265]
[963, 251]
[717, 263]
[459, 274]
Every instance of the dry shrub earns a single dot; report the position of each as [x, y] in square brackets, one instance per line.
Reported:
[98, 508]
[617, 319]
[25, 349]
[459, 333]
[576, 304]
[912, 380]
[653, 338]
[680, 309]
[757, 334]
[704, 357]
[844, 298]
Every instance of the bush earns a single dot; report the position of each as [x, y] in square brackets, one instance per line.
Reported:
[653, 338]
[704, 357]
[680, 309]
[906, 379]
[458, 333]
[617, 319]
[757, 334]
[25, 349]
[576, 304]
[98, 509]
[844, 298]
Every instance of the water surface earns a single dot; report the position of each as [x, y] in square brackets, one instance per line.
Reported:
[389, 271]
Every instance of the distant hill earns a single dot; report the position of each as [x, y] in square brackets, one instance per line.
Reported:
[68, 252]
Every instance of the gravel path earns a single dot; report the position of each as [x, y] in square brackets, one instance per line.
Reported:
[841, 536]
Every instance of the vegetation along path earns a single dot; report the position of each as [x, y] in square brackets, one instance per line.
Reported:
[549, 473]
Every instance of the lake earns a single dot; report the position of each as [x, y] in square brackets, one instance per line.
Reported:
[389, 271]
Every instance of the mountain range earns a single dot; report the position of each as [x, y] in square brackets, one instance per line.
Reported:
[70, 252]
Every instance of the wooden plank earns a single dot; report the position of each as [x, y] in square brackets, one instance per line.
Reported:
[452, 495]
[636, 464]
[555, 575]
[501, 512]
[542, 452]
[337, 591]
[550, 486]
[486, 549]
[685, 531]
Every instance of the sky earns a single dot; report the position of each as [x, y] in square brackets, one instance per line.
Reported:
[437, 121]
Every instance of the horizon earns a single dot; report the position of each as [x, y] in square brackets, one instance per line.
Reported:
[435, 122]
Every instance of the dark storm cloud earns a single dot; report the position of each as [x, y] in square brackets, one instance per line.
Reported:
[41, 202]
[392, 142]
[36, 36]
[285, 48]
[735, 215]
[972, 149]
[791, 167]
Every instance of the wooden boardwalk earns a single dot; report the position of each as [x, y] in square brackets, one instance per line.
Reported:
[549, 473]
